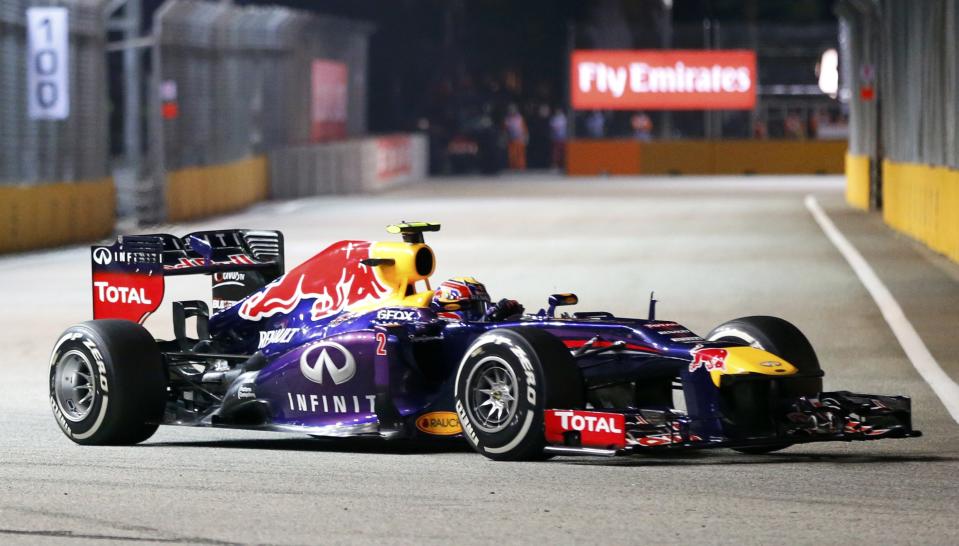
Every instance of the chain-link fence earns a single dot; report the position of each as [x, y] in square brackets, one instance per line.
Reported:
[903, 58]
[75, 148]
[240, 77]
[231, 82]
[902, 68]
[920, 100]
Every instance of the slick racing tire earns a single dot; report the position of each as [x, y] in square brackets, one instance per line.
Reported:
[781, 338]
[107, 383]
[506, 379]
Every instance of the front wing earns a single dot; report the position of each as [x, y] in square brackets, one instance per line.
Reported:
[832, 416]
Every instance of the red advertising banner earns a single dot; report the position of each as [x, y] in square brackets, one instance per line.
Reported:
[329, 96]
[663, 79]
[394, 157]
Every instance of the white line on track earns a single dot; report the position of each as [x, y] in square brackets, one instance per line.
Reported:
[917, 352]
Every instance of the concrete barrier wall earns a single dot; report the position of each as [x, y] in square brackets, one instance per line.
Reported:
[50, 214]
[370, 165]
[196, 192]
[857, 181]
[921, 201]
[621, 156]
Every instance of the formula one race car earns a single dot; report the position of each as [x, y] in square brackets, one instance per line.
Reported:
[354, 342]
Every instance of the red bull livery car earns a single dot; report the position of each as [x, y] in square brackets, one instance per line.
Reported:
[357, 341]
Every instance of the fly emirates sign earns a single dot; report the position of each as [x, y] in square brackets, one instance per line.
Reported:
[663, 80]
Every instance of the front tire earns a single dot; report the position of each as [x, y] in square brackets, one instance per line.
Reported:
[505, 381]
[107, 383]
[783, 339]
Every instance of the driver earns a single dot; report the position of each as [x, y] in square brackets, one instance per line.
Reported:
[465, 298]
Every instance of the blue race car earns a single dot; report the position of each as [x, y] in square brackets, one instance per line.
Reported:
[356, 342]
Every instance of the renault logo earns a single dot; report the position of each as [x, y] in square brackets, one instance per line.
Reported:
[334, 358]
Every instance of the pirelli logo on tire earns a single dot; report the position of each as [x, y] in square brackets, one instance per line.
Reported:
[440, 423]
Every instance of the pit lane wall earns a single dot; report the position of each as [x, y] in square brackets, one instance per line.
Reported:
[922, 201]
[631, 157]
[899, 63]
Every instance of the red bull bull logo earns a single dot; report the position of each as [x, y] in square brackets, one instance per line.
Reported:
[334, 279]
[711, 359]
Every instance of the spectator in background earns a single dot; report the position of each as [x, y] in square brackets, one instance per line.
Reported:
[517, 135]
[759, 130]
[595, 125]
[557, 136]
[539, 152]
[794, 127]
[642, 126]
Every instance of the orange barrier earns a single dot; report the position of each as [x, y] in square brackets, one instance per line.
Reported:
[44, 215]
[591, 157]
[623, 156]
[197, 192]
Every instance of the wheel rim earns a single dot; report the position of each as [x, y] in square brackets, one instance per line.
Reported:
[74, 386]
[492, 400]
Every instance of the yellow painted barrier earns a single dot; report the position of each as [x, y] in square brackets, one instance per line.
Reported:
[857, 181]
[44, 215]
[923, 202]
[619, 156]
[197, 192]
[779, 156]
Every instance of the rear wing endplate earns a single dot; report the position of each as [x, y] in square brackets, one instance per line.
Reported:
[128, 275]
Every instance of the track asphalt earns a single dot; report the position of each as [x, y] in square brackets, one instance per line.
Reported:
[712, 248]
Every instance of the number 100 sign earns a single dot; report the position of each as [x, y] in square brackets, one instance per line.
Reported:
[48, 69]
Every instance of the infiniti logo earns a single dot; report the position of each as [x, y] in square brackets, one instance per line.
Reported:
[102, 255]
[324, 356]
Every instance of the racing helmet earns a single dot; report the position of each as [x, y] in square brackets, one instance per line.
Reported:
[460, 298]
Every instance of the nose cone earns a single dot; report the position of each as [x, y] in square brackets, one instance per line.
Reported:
[742, 360]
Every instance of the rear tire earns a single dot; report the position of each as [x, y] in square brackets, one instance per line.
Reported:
[107, 383]
[781, 338]
[506, 379]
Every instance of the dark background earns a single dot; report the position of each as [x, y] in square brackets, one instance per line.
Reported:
[430, 54]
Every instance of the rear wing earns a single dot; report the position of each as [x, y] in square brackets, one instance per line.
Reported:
[128, 275]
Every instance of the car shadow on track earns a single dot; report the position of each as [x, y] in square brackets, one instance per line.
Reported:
[335, 445]
[456, 445]
[726, 459]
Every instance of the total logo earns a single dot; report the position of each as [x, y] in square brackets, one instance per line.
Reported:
[396, 315]
[106, 292]
[283, 335]
[332, 358]
[581, 421]
[593, 429]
